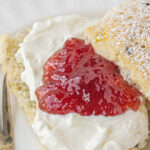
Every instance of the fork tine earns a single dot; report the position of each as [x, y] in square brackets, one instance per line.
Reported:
[7, 122]
[6, 137]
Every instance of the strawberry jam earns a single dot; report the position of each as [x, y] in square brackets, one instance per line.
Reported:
[76, 80]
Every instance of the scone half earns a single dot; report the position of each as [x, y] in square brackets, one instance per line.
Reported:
[123, 37]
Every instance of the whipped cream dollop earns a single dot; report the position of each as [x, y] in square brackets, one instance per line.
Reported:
[72, 131]
[44, 39]
[76, 132]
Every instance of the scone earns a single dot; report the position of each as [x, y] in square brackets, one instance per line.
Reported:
[99, 113]
[123, 36]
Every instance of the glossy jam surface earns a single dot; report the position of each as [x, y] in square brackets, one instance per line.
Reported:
[76, 80]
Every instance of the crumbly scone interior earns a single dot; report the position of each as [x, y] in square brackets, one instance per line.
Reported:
[13, 69]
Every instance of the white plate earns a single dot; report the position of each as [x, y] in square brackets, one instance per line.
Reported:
[17, 15]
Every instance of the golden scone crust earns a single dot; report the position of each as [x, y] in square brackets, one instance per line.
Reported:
[123, 36]
[8, 49]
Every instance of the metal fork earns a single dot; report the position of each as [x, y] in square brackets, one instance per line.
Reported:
[6, 136]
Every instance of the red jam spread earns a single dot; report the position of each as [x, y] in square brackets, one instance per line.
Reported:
[77, 80]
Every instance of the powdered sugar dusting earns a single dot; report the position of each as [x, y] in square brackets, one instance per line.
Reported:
[129, 27]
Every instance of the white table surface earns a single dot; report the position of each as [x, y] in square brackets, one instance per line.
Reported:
[16, 15]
